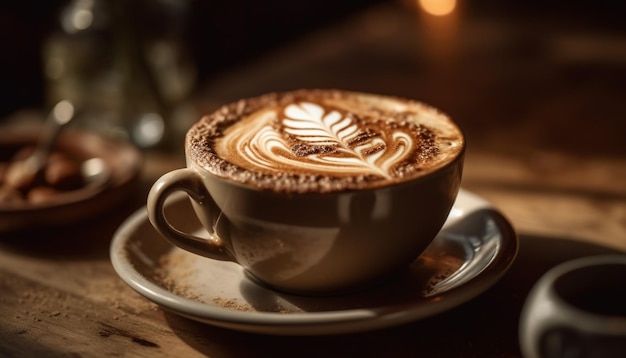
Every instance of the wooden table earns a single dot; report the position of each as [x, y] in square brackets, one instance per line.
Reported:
[543, 110]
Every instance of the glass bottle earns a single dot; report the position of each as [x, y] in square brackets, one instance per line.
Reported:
[126, 66]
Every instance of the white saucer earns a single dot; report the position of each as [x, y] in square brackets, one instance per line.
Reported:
[474, 249]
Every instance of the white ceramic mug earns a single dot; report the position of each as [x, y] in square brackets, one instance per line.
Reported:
[577, 309]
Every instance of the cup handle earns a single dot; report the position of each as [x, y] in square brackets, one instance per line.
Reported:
[188, 181]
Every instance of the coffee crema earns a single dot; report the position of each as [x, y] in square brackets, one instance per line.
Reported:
[323, 141]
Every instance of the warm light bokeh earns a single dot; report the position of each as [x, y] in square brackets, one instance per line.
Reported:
[438, 7]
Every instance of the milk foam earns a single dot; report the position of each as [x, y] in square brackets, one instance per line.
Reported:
[335, 143]
[346, 138]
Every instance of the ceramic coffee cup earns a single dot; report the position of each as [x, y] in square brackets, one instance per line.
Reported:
[577, 309]
[314, 232]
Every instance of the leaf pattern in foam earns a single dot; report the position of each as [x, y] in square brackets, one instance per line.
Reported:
[332, 138]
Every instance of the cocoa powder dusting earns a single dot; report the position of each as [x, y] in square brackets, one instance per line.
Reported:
[374, 115]
[184, 275]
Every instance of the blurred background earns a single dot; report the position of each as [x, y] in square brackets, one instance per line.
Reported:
[496, 66]
[538, 87]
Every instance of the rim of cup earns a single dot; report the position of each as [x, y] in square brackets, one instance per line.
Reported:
[557, 283]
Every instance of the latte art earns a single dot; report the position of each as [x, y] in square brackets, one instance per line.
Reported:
[310, 138]
[324, 141]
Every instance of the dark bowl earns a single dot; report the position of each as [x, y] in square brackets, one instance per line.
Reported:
[122, 159]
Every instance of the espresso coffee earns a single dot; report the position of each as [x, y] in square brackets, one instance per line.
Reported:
[324, 141]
